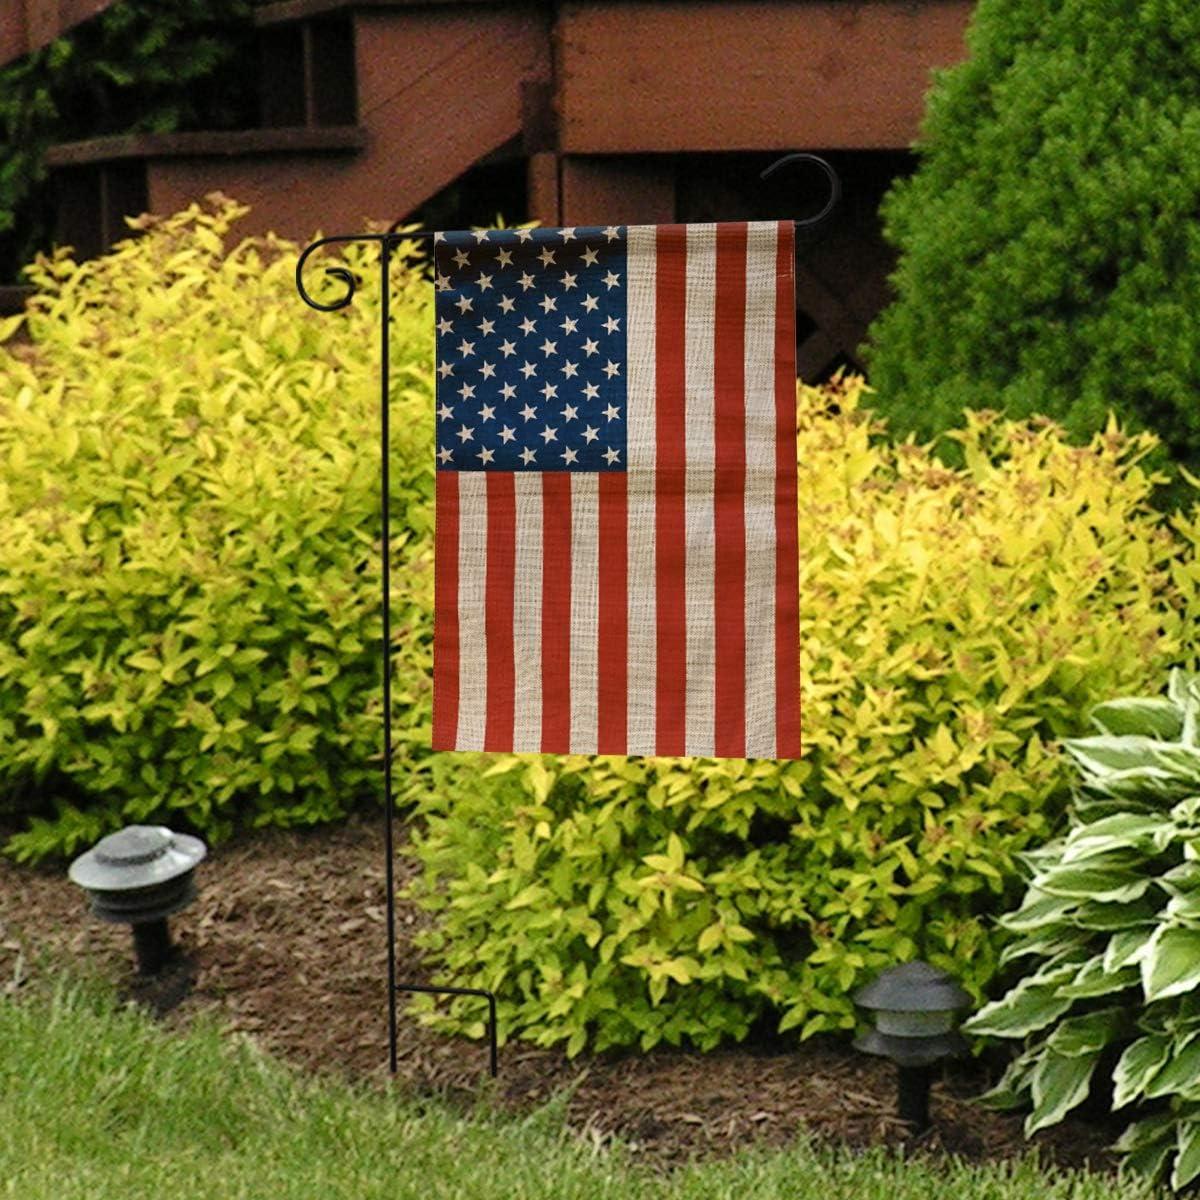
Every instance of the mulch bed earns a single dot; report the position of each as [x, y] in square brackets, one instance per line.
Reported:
[286, 943]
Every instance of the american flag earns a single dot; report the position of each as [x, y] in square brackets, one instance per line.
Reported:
[616, 563]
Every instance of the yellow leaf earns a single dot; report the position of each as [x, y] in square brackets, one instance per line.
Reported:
[540, 780]
[943, 746]
[525, 897]
[675, 851]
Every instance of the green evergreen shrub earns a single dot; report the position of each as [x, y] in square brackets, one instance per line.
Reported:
[1049, 253]
[954, 624]
[1108, 939]
[189, 566]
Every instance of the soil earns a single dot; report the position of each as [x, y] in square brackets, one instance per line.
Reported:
[286, 942]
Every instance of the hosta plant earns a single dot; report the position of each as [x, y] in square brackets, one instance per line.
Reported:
[1109, 935]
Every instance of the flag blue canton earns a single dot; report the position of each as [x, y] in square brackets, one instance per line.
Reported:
[531, 349]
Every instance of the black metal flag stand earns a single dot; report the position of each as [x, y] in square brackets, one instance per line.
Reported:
[389, 243]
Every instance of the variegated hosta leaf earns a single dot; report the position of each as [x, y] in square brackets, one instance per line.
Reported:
[1183, 909]
[1149, 1131]
[1120, 917]
[1183, 1014]
[1186, 816]
[1187, 1159]
[1054, 941]
[1183, 689]
[1171, 963]
[1150, 1161]
[1125, 949]
[1093, 980]
[1092, 806]
[1155, 717]
[1032, 1005]
[1147, 833]
[1037, 910]
[1104, 759]
[1182, 880]
[1088, 1032]
[1105, 879]
[1180, 1071]
[1013, 1089]
[1058, 1084]
[1044, 856]
[1143, 789]
[1140, 1062]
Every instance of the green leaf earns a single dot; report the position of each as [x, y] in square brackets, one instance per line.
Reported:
[1139, 1063]
[1088, 1033]
[1059, 1083]
[1187, 1161]
[1183, 880]
[1104, 760]
[1180, 1071]
[1171, 964]
[1049, 944]
[1116, 916]
[1155, 717]
[526, 896]
[1149, 1131]
[1126, 949]
[1030, 1006]
[1183, 909]
[1037, 909]
[1105, 879]
[1012, 1090]
[1102, 756]
[1149, 1161]
[1118, 832]
[1094, 980]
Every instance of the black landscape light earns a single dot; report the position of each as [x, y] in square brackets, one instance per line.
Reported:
[914, 1008]
[140, 876]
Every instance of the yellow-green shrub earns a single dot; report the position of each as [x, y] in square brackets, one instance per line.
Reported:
[954, 625]
[189, 568]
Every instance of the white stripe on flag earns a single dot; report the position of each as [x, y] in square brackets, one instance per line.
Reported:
[472, 638]
[700, 580]
[640, 432]
[527, 615]
[760, 489]
[585, 610]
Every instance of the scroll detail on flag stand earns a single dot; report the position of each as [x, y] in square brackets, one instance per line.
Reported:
[616, 566]
[671, 515]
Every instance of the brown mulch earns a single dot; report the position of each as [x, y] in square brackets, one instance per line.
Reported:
[286, 943]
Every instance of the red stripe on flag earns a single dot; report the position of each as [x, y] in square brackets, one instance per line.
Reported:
[556, 612]
[445, 613]
[670, 480]
[729, 484]
[787, 583]
[612, 735]
[498, 606]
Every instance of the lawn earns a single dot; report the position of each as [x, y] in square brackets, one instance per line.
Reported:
[98, 1102]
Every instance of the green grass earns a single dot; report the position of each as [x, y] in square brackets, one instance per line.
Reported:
[96, 1102]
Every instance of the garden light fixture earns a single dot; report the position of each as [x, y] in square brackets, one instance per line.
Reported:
[140, 876]
[914, 1008]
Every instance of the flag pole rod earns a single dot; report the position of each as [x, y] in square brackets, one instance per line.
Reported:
[385, 545]
[388, 244]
